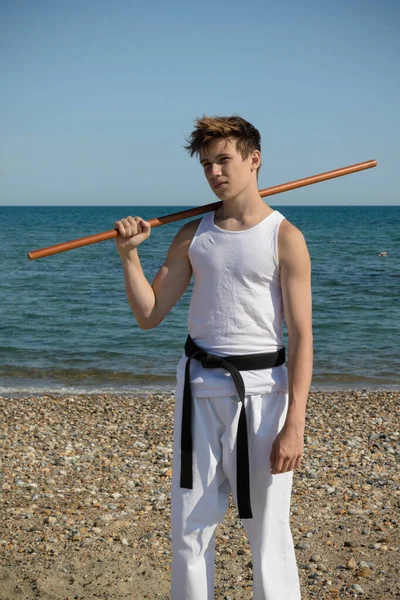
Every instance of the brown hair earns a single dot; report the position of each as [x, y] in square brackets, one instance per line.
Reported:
[208, 129]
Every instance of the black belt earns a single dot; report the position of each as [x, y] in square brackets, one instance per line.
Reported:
[233, 364]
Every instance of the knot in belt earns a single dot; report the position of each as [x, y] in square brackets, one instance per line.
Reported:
[209, 361]
[233, 364]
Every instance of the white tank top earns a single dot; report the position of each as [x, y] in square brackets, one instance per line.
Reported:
[236, 306]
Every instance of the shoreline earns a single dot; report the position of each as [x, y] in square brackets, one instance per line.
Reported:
[85, 494]
[143, 390]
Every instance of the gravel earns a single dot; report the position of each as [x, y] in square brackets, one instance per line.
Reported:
[85, 502]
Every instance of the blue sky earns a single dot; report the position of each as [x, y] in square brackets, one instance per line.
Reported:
[97, 97]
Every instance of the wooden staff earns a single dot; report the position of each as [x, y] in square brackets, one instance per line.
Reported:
[193, 212]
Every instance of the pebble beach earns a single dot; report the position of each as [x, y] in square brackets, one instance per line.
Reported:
[85, 504]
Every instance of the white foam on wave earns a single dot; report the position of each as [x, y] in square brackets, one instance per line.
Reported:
[59, 389]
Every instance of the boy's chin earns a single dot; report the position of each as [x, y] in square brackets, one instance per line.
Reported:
[223, 193]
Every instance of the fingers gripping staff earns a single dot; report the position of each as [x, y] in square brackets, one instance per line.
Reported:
[132, 232]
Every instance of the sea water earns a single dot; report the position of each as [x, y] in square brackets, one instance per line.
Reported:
[65, 323]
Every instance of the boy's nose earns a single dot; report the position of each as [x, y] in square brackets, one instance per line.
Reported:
[215, 169]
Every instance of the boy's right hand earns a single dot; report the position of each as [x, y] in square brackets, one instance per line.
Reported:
[132, 232]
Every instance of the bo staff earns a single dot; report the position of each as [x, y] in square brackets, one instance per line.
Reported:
[193, 212]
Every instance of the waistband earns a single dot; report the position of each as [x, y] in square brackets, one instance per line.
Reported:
[233, 364]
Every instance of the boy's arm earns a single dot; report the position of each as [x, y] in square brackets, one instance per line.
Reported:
[295, 274]
[151, 303]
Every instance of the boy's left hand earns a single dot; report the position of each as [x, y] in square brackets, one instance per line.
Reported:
[287, 449]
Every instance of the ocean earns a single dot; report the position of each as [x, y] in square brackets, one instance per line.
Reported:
[66, 326]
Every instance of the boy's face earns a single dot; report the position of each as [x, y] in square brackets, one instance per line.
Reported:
[227, 173]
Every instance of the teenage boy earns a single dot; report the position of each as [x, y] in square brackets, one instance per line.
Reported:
[239, 413]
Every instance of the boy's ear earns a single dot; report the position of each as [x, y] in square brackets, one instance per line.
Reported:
[255, 159]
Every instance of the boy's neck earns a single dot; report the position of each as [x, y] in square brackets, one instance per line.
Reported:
[250, 206]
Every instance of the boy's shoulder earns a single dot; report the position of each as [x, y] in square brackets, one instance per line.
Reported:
[188, 230]
[182, 240]
[289, 232]
[291, 242]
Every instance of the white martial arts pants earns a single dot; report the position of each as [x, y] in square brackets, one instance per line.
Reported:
[197, 512]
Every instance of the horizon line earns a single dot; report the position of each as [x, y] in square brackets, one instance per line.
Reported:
[177, 205]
